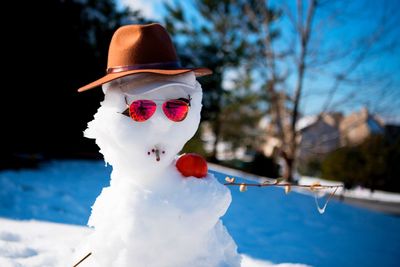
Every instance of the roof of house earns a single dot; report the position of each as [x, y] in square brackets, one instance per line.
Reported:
[333, 119]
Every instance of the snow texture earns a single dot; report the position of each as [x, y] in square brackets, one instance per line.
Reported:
[37, 244]
[151, 215]
[266, 224]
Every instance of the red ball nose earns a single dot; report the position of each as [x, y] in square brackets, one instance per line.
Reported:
[192, 165]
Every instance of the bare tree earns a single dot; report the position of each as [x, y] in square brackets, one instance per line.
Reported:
[291, 59]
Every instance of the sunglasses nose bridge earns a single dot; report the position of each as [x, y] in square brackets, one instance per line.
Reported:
[159, 121]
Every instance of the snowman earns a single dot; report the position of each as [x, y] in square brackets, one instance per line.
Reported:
[160, 210]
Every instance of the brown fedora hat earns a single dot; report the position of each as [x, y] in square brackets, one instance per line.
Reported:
[142, 48]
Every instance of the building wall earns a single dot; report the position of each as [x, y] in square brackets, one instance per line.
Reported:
[318, 139]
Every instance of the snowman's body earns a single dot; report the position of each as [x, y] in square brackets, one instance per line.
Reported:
[150, 215]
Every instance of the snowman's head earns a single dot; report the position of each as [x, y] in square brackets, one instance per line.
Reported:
[150, 145]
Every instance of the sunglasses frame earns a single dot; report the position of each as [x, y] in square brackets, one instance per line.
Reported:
[127, 111]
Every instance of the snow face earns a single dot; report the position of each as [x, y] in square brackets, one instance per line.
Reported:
[125, 143]
[151, 215]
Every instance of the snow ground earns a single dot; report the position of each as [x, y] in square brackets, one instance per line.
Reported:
[37, 244]
[267, 225]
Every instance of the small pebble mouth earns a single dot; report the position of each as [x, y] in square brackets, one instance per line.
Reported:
[156, 152]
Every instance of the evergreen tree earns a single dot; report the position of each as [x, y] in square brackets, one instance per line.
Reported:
[61, 46]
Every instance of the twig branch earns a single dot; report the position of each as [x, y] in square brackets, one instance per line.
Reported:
[311, 187]
[84, 258]
[288, 186]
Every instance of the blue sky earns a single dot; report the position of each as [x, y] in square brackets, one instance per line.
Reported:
[380, 86]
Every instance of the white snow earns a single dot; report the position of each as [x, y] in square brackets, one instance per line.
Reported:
[37, 244]
[250, 262]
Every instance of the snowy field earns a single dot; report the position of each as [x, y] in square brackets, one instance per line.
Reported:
[43, 213]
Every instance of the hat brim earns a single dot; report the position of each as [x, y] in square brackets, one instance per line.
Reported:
[113, 76]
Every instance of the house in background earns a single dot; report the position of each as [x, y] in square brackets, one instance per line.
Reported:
[333, 130]
[319, 135]
[358, 126]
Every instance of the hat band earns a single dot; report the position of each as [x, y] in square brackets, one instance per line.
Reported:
[162, 66]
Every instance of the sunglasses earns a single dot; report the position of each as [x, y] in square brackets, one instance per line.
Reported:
[141, 110]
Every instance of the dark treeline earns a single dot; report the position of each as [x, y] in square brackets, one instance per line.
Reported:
[52, 48]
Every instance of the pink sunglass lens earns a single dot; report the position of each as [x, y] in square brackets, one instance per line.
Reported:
[175, 110]
[142, 110]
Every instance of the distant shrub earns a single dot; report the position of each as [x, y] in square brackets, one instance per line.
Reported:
[393, 166]
[372, 164]
[264, 166]
[311, 167]
[344, 164]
